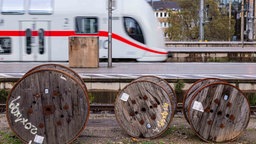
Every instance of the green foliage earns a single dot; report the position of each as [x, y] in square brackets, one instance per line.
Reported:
[9, 138]
[91, 97]
[179, 86]
[184, 25]
[3, 95]
[252, 99]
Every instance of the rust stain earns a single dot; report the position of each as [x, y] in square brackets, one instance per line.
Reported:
[207, 109]
[229, 104]
[30, 111]
[145, 97]
[56, 93]
[132, 114]
[141, 122]
[59, 123]
[37, 95]
[232, 117]
[41, 125]
[209, 122]
[222, 125]
[217, 101]
[66, 107]
[153, 117]
[155, 105]
[48, 110]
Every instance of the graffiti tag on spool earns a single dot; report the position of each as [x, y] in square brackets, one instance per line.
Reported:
[15, 111]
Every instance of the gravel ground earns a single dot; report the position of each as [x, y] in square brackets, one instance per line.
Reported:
[103, 129]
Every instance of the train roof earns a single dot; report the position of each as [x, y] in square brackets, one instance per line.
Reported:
[48, 7]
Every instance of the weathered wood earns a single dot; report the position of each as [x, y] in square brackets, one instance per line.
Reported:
[83, 52]
[165, 85]
[218, 112]
[144, 109]
[48, 103]
[61, 68]
[194, 89]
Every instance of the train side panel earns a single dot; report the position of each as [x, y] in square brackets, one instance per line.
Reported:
[44, 37]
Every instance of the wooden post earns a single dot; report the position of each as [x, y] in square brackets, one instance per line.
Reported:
[83, 52]
[145, 107]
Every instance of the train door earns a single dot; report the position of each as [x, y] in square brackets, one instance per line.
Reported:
[34, 42]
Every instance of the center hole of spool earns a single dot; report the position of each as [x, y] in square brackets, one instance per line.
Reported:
[143, 109]
[219, 113]
[211, 111]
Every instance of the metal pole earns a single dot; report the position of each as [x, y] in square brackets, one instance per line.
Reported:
[109, 33]
[201, 17]
[253, 24]
[242, 23]
[229, 22]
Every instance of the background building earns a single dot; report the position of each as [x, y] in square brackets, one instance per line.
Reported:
[162, 9]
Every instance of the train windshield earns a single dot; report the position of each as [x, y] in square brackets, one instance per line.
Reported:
[133, 29]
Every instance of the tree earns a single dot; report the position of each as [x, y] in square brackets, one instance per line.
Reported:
[184, 25]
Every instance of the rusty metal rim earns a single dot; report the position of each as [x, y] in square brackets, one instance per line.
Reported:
[194, 96]
[117, 98]
[66, 74]
[188, 91]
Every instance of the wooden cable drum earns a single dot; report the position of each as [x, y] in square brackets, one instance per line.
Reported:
[48, 106]
[218, 112]
[144, 108]
[59, 67]
[194, 89]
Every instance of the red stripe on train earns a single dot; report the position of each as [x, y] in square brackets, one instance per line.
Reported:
[72, 33]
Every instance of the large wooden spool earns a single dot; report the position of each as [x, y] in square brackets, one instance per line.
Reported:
[217, 111]
[145, 107]
[48, 106]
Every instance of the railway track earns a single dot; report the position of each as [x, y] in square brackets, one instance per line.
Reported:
[97, 108]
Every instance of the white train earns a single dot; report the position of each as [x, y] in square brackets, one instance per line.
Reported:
[38, 30]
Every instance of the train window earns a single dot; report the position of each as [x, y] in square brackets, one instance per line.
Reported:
[40, 7]
[5, 45]
[87, 25]
[28, 41]
[133, 29]
[13, 7]
[41, 41]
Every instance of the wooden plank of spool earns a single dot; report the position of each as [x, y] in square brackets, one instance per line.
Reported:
[218, 112]
[194, 89]
[47, 106]
[61, 68]
[144, 109]
[165, 85]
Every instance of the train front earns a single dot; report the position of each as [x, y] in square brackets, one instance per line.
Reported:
[149, 33]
